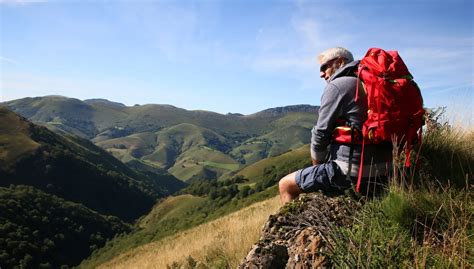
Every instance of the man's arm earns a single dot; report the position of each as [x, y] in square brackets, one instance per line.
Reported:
[329, 112]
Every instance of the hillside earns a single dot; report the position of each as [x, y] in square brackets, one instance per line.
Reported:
[68, 114]
[75, 169]
[286, 163]
[40, 230]
[189, 144]
[203, 201]
[187, 151]
[225, 238]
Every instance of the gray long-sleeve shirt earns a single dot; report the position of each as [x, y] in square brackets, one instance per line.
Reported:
[338, 102]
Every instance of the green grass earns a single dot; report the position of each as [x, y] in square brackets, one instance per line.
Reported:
[293, 160]
[171, 216]
[15, 140]
[172, 208]
[227, 166]
[299, 119]
[424, 228]
[427, 218]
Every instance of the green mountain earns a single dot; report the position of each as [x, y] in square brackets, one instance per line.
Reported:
[188, 144]
[76, 170]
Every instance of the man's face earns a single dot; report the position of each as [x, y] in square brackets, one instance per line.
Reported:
[329, 68]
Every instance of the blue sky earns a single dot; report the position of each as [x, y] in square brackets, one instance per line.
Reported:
[226, 55]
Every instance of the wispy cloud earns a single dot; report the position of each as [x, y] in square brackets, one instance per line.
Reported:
[8, 60]
[291, 51]
[294, 48]
[435, 54]
[440, 67]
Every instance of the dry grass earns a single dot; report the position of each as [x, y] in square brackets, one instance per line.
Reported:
[230, 237]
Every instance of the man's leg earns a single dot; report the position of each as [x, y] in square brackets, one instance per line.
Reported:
[288, 188]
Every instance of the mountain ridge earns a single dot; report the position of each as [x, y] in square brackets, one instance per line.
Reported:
[139, 132]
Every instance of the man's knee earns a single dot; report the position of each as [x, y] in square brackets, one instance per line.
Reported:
[287, 186]
[285, 183]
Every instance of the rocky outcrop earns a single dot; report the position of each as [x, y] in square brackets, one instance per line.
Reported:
[299, 235]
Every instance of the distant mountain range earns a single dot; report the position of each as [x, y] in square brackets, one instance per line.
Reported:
[188, 144]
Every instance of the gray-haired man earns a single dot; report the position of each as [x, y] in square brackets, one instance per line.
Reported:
[330, 159]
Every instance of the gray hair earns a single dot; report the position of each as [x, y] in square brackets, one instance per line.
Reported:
[333, 53]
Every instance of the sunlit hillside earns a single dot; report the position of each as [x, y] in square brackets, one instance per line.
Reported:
[223, 242]
[188, 144]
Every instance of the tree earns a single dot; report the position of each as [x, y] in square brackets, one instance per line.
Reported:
[244, 191]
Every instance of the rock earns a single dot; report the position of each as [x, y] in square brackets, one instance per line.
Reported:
[296, 236]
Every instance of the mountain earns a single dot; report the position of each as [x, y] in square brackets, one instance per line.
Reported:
[68, 114]
[188, 144]
[104, 102]
[279, 111]
[76, 170]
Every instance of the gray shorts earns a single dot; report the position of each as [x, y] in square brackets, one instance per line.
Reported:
[326, 177]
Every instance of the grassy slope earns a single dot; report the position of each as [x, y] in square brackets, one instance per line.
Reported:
[173, 207]
[15, 140]
[287, 132]
[68, 114]
[256, 171]
[172, 216]
[229, 236]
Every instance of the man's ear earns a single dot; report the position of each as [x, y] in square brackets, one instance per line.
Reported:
[340, 63]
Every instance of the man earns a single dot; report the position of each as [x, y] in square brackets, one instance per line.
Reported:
[331, 160]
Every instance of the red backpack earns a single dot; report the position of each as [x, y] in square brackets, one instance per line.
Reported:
[395, 105]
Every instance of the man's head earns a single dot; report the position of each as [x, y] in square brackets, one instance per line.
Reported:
[332, 59]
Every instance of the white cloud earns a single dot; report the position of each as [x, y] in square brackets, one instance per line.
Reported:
[292, 50]
[310, 30]
[8, 60]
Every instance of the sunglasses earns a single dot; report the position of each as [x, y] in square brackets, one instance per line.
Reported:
[325, 66]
